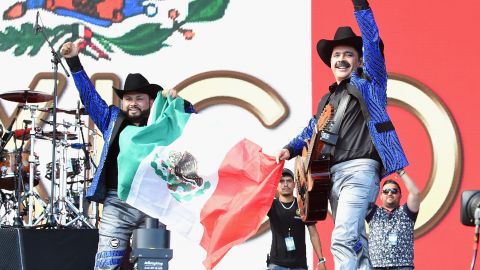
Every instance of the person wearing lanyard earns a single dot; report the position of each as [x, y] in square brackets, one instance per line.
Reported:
[288, 249]
[391, 226]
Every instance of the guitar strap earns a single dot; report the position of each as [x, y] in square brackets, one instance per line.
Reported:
[330, 137]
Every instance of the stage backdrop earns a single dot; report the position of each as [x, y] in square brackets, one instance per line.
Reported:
[253, 65]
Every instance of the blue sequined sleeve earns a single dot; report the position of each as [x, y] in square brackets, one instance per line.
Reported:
[373, 60]
[296, 145]
[96, 107]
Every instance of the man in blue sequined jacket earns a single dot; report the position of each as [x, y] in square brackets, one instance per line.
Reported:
[367, 147]
[118, 218]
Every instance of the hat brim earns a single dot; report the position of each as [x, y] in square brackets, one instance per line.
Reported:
[325, 47]
[151, 90]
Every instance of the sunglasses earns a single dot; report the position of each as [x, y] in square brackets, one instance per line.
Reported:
[388, 190]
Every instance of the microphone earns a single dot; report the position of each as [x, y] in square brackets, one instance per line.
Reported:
[36, 28]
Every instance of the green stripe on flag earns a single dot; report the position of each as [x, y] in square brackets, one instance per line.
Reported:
[168, 119]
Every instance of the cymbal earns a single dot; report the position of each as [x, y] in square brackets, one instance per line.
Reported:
[82, 111]
[60, 135]
[49, 110]
[26, 96]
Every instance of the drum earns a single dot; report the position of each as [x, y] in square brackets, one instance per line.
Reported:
[8, 167]
[73, 166]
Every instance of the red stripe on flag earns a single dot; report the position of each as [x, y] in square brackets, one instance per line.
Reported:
[246, 187]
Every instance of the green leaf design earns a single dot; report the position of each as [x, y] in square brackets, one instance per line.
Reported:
[24, 39]
[206, 10]
[144, 39]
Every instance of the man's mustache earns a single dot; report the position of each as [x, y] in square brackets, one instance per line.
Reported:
[342, 64]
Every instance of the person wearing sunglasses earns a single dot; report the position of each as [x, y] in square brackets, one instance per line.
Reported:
[391, 226]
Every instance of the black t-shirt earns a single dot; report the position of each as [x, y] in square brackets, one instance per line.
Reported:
[283, 220]
[111, 165]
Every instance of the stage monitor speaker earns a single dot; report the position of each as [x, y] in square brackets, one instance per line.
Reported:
[48, 249]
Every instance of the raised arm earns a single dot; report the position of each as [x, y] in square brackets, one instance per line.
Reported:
[373, 60]
[96, 107]
[413, 199]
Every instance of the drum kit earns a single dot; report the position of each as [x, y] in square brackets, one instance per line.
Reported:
[20, 204]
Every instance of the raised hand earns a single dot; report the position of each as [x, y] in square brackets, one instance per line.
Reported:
[282, 155]
[71, 49]
[169, 92]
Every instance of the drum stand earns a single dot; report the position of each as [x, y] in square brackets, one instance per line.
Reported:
[64, 203]
[30, 194]
[88, 161]
[31, 161]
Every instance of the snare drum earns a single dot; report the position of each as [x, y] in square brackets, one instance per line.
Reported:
[8, 167]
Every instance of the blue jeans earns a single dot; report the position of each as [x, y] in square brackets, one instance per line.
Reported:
[355, 189]
[117, 224]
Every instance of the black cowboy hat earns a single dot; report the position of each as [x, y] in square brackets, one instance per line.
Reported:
[135, 82]
[343, 36]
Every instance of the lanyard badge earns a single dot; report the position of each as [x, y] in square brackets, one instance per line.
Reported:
[289, 242]
[392, 238]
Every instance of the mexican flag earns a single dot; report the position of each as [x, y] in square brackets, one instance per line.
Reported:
[175, 169]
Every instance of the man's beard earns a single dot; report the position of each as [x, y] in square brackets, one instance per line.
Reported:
[141, 119]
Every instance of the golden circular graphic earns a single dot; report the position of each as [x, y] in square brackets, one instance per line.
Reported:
[236, 88]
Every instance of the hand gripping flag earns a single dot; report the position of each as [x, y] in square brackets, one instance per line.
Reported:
[213, 187]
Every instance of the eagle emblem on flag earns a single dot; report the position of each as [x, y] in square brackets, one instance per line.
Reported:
[180, 172]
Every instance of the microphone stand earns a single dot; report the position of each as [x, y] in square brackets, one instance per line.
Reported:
[51, 222]
[18, 223]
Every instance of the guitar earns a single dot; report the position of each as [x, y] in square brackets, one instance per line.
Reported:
[312, 173]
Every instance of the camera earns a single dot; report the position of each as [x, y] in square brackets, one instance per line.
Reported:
[470, 207]
[151, 246]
